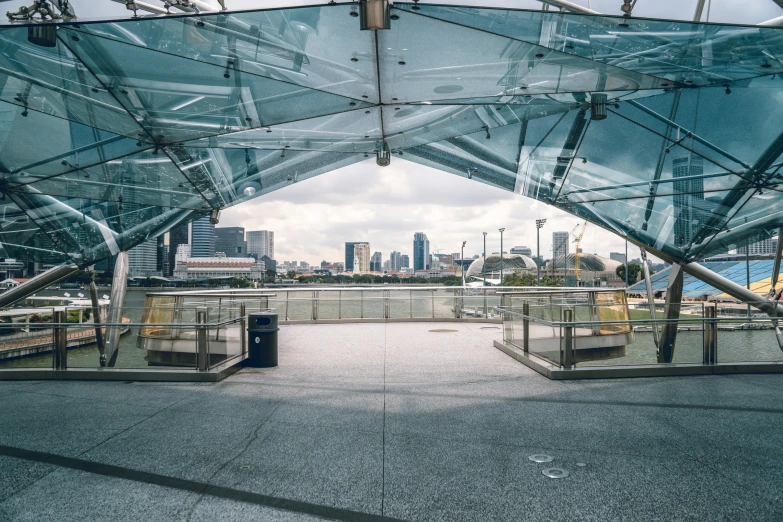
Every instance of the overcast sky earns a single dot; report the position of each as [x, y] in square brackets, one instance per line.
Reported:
[385, 206]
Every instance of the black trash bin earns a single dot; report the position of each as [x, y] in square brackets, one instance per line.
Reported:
[262, 339]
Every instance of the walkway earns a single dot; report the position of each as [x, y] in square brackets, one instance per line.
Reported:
[393, 422]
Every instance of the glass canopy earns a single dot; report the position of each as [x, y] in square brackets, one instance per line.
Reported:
[113, 132]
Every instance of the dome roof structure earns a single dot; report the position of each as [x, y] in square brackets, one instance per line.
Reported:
[589, 262]
[511, 262]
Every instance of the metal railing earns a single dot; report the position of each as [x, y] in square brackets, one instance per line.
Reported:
[574, 335]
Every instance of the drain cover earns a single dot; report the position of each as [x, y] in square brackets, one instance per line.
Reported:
[442, 330]
[244, 468]
[541, 458]
[581, 464]
[555, 473]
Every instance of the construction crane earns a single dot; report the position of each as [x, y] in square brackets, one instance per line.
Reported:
[578, 242]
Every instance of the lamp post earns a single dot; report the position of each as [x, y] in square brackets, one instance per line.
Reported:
[501, 255]
[484, 263]
[539, 224]
[462, 262]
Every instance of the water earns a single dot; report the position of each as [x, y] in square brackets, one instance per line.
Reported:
[733, 346]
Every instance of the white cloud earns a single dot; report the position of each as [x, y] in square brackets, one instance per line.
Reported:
[313, 219]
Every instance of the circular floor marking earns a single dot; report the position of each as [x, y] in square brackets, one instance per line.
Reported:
[555, 473]
[443, 330]
[541, 458]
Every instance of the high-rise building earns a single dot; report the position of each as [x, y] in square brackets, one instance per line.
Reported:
[386, 266]
[522, 250]
[143, 259]
[160, 254]
[767, 246]
[689, 209]
[617, 256]
[376, 262]
[261, 243]
[202, 238]
[231, 241]
[559, 244]
[395, 261]
[405, 261]
[350, 255]
[177, 236]
[361, 257]
[421, 252]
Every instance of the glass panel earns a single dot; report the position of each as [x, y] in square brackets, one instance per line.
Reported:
[309, 46]
[180, 99]
[463, 62]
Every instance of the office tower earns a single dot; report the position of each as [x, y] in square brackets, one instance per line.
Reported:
[350, 254]
[395, 261]
[261, 243]
[765, 247]
[386, 266]
[269, 263]
[202, 238]
[361, 257]
[522, 250]
[231, 241]
[421, 252]
[690, 211]
[160, 254]
[405, 261]
[559, 244]
[177, 236]
[617, 256]
[143, 259]
[376, 262]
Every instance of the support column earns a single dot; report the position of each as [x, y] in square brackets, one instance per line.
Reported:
[670, 312]
[650, 296]
[119, 285]
[96, 316]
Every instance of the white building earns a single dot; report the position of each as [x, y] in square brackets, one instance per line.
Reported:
[143, 259]
[261, 243]
[219, 267]
[522, 250]
[361, 258]
[183, 253]
[767, 246]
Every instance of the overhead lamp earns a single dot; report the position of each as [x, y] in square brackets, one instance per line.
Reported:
[374, 14]
[44, 35]
[214, 216]
[598, 106]
[383, 155]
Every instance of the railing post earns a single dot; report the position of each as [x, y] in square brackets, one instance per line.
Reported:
[243, 328]
[526, 327]
[201, 341]
[567, 342]
[386, 304]
[340, 304]
[361, 304]
[315, 305]
[432, 294]
[60, 339]
[710, 335]
[458, 304]
[286, 304]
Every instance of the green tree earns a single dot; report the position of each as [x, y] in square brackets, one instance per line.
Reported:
[291, 274]
[634, 270]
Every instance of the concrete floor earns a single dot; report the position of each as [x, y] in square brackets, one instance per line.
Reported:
[393, 422]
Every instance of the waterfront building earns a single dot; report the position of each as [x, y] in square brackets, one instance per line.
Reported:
[231, 241]
[201, 238]
[261, 243]
[376, 262]
[522, 250]
[143, 259]
[219, 267]
[361, 257]
[421, 252]
[177, 236]
[350, 254]
[560, 244]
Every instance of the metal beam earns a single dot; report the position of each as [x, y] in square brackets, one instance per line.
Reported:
[119, 285]
[775, 22]
[569, 6]
[778, 254]
[671, 312]
[96, 316]
[650, 294]
[37, 283]
[699, 10]
[143, 6]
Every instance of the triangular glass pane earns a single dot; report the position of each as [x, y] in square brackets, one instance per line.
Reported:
[176, 99]
[353, 132]
[424, 59]
[684, 52]
[52, 81]
[311, 46]
[68, 145]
